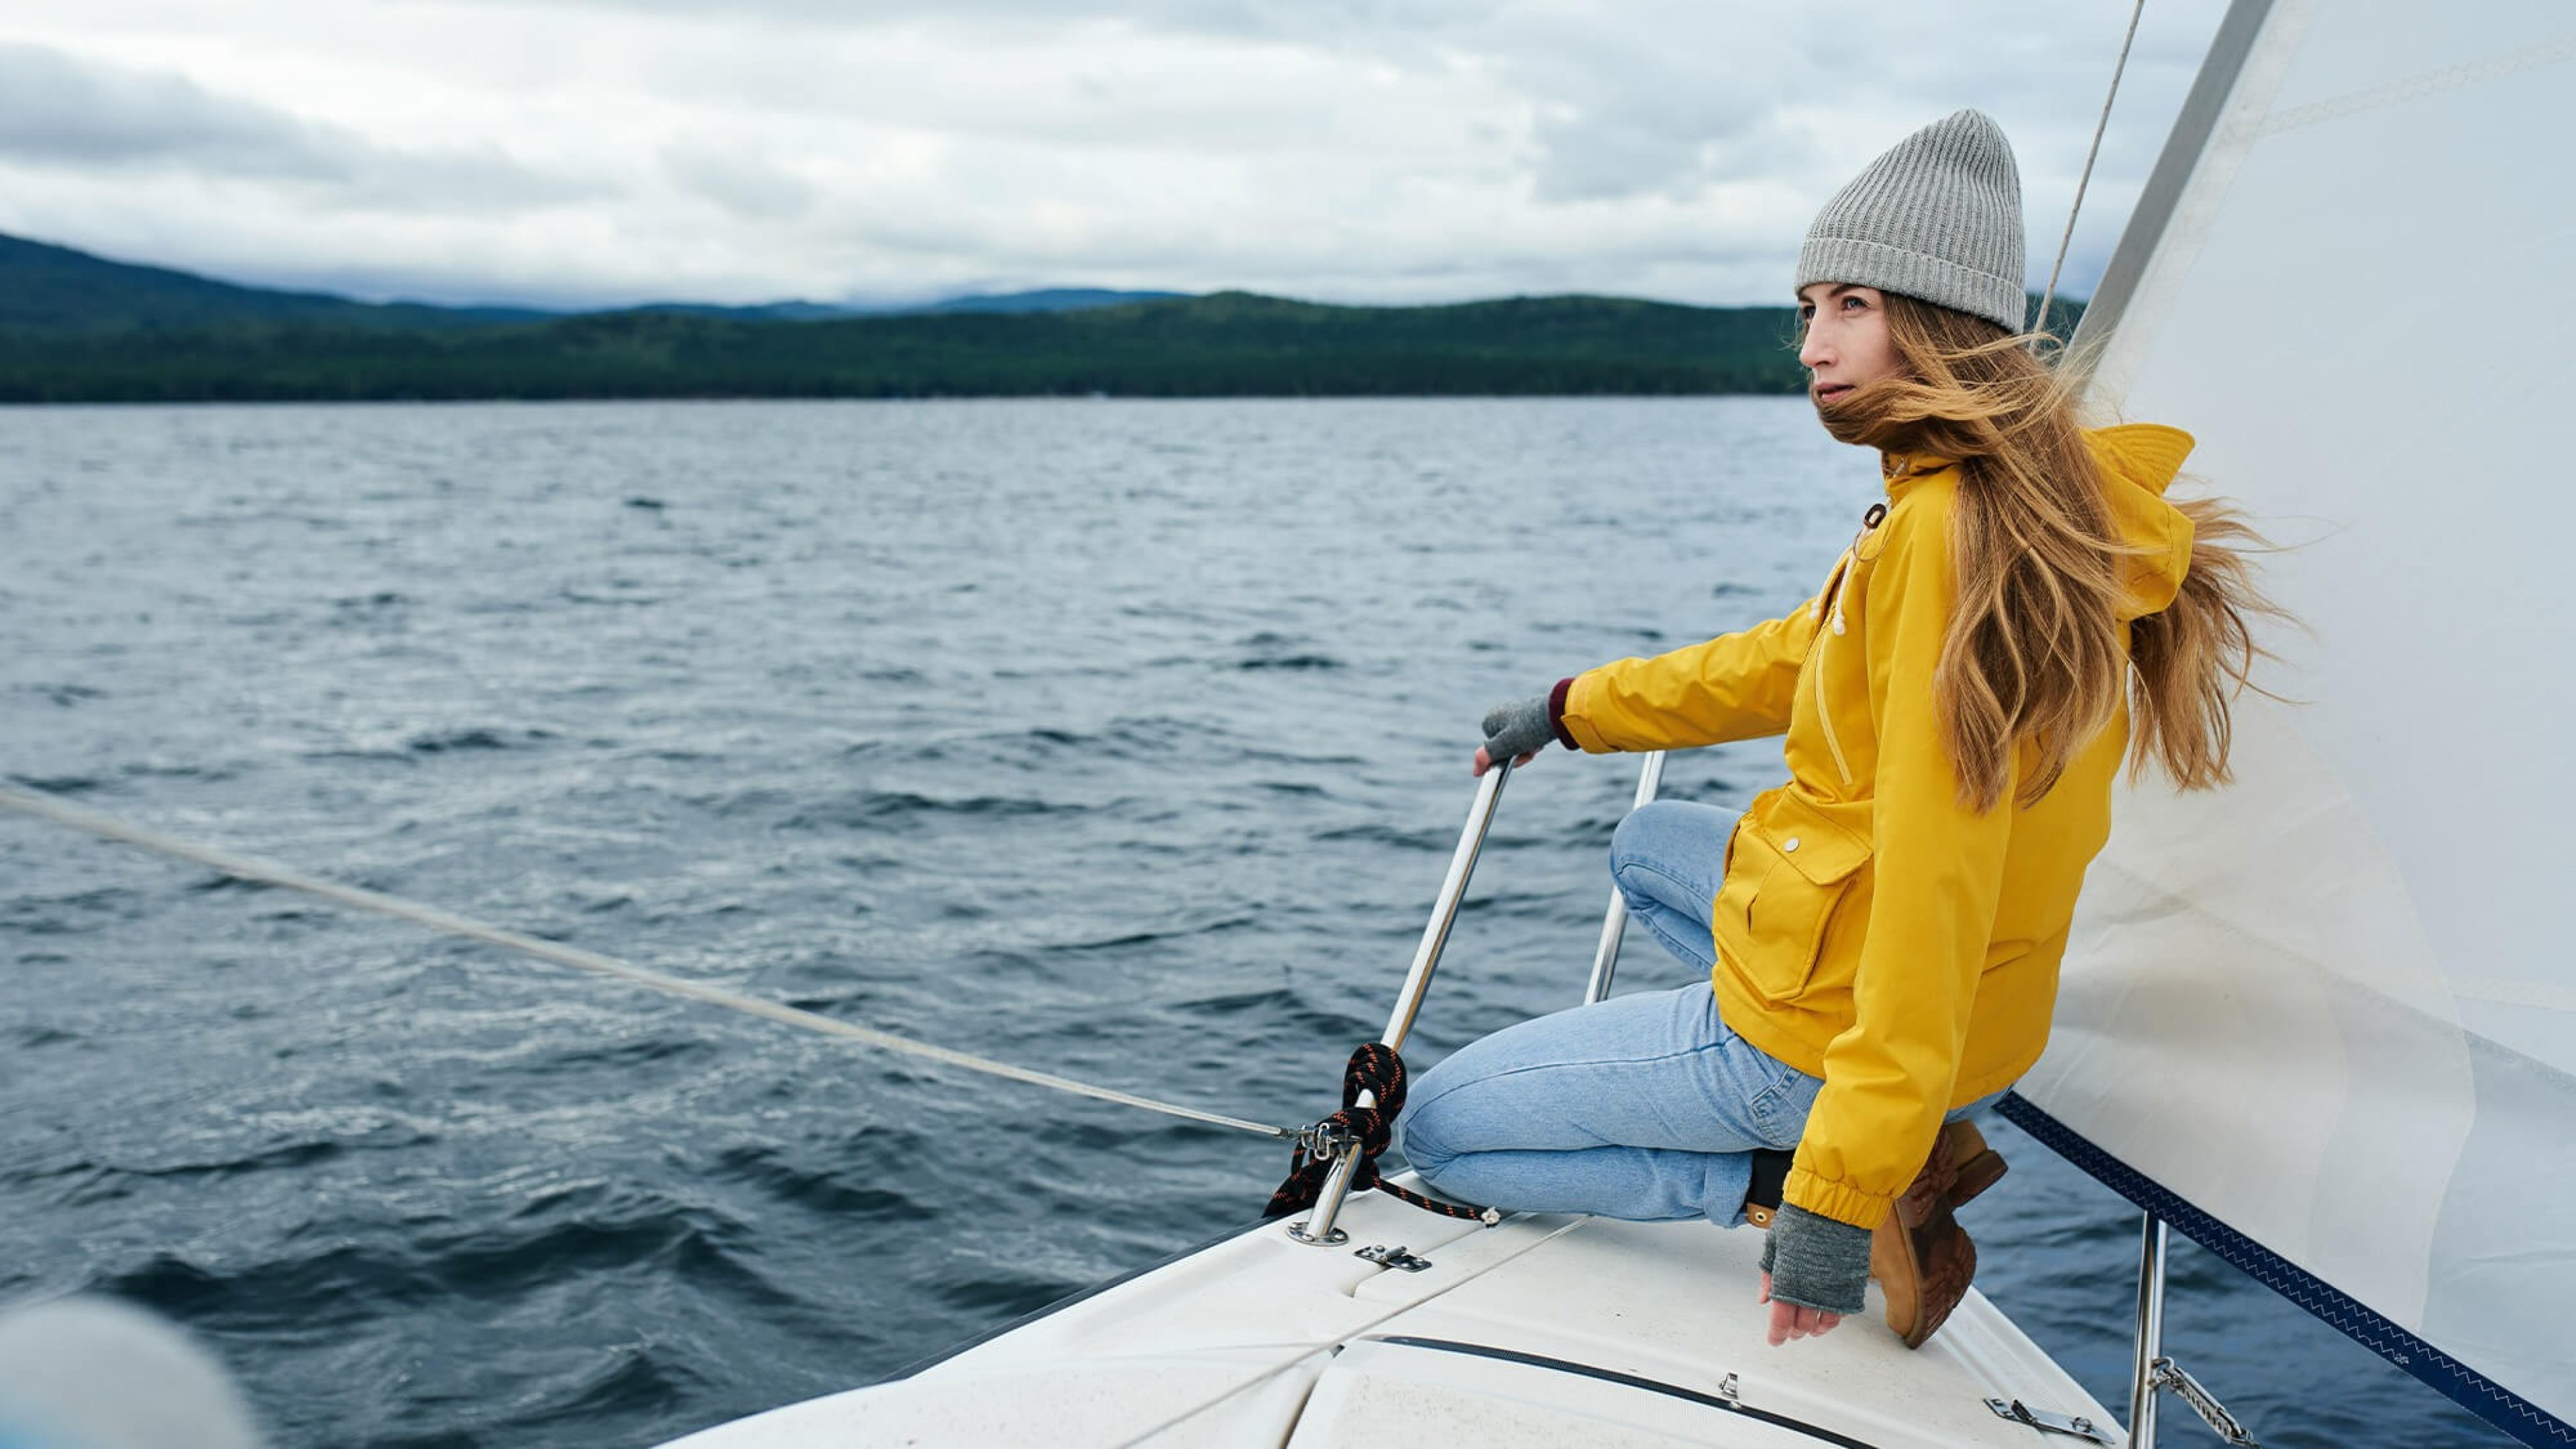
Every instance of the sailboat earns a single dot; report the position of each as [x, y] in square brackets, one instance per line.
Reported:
[2323, 1021]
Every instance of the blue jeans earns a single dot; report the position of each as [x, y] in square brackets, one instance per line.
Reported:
[1643, 1107]
[1667, 858]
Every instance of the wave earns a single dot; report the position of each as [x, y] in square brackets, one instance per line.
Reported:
[214, 885]
[625, 1054]
[878, 808]
[1442, 840]
[1146, 938]
[627, 601]
[59, 784]
[65, 695]
[34, 915]
[1005, 1296]
[630, 1379]
[340, 1286]
[1280, 1010]
[598, 1227]
[480, 737]
[88, 1184]
[827, 1190]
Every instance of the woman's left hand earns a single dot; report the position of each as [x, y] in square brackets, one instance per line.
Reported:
[1791, 1320]
[1819, 1260]
[1519, 730]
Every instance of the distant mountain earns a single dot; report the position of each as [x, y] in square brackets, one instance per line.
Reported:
[1226, 344]
[761, 312]
[75, 328]
[46, 288]
[1052, 299]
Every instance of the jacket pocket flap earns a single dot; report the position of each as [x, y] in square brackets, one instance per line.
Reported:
[1814, 844]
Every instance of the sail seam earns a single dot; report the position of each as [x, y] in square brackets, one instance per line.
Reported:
[2510, 991]
[2415, 87]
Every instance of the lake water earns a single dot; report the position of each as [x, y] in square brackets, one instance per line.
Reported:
[1123, 740]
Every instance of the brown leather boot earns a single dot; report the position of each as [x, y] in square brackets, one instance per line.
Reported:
[1921, 1257]
[1961, 1166]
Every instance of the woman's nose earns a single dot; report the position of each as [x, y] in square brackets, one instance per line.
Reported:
[1812, 351]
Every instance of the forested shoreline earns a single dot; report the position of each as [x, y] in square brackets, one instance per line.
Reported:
[76, 328]
[1230, 344]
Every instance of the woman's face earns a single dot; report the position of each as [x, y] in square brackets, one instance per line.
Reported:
[1846, 339]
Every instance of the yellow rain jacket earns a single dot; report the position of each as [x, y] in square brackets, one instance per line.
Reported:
[1871, 930]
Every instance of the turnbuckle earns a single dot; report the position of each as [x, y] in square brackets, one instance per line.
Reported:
[1326, 1140]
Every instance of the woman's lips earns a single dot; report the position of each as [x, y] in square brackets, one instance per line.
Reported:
[1831, 391]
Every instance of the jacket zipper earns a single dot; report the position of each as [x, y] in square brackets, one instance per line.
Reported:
[1825, 716]
[1834, 625]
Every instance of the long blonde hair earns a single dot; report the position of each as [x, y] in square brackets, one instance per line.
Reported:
[2033, 656]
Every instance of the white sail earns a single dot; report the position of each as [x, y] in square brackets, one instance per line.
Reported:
[2333, 1008]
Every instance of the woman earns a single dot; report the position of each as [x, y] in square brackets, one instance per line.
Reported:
[1881, 933]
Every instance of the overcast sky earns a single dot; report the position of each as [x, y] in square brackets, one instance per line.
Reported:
[591, 152]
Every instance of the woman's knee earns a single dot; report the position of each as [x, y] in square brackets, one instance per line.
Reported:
[1664, 846]
[1630, 849]
[1642, 832]
[1419, 1133]
[1425, 1128]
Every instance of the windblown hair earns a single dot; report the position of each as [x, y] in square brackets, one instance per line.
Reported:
[2032, 659]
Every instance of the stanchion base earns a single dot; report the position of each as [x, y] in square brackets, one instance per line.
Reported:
[1332, 1238]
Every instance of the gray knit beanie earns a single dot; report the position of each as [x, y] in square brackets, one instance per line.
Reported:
[1937, 218]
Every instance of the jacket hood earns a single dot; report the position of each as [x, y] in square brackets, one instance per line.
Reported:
[2139, 461]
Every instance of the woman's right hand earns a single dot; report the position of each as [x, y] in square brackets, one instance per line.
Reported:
[1516, 731]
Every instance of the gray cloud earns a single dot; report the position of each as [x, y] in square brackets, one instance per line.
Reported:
[1642, 111]
[1289, 19]
[1645, 98]
[742, 150]
[745, 185]
[59, 111]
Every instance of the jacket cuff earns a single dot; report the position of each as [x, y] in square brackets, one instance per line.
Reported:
[1844, 1203]
[1556, 712]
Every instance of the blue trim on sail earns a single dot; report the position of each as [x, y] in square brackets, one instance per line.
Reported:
[2472, 1390]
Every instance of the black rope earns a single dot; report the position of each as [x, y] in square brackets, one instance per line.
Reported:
[1376, 1069]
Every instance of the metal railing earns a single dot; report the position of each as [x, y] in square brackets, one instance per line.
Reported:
[1605, 957]
[2151, 1333]
[1317, 1227]
[2154, 1370]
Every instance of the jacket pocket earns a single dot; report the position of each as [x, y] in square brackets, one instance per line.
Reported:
[1787, 876]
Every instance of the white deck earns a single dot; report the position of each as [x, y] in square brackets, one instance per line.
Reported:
[1261, 1341]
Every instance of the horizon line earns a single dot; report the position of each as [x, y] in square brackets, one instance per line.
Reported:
[858, 308]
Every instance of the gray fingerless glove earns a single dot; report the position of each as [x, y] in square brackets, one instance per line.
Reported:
[1817, 1262]
[1518, 728]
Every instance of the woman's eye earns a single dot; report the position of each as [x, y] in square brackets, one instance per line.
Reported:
[1855, 304]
